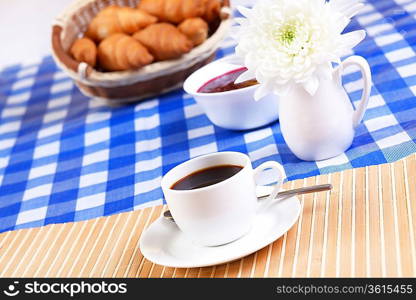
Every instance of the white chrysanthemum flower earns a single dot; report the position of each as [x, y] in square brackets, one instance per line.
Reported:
[288, 42]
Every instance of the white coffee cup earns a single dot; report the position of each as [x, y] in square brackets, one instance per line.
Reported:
[223, 212]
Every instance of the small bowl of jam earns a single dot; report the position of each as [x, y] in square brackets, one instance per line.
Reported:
[228, 104]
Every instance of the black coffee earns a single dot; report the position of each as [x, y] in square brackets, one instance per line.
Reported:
[206, 177]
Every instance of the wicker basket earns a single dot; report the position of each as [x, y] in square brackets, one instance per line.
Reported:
[127, 86]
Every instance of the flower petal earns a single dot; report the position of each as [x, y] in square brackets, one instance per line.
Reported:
[240, 20]
[324, 71]
[351, 39]
[343, 5]
[311, 85]
[247, 75]
[235, 32]
[342, 24]
[282, 89]
[353, 10]
[261, 92]
[233, 59]
[246, 12]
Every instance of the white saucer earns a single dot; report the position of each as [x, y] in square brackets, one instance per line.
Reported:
[164, 244]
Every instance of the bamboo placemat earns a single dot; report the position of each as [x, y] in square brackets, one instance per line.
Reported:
[365, 227]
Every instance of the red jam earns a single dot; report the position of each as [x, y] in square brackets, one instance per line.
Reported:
[225, 82]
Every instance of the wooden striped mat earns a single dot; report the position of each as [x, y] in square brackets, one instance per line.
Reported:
[365, 227]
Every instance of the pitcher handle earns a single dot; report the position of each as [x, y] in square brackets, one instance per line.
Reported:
[362, 63]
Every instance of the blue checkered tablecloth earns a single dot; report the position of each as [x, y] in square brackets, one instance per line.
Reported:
[65, 157]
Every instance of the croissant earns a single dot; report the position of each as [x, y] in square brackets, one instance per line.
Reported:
[84, 50]
[174, 11]
[115, 19]
[164, 41]
[212, 10]
[120, 52]
[195, 29]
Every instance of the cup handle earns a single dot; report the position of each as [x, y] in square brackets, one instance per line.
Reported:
[281, 175]
[362, 63]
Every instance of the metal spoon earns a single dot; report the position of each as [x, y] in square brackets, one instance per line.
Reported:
[305, 190]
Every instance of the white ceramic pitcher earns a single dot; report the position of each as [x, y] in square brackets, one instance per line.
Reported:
[323, 125]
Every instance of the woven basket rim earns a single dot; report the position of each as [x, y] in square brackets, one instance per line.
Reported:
[120, 78]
